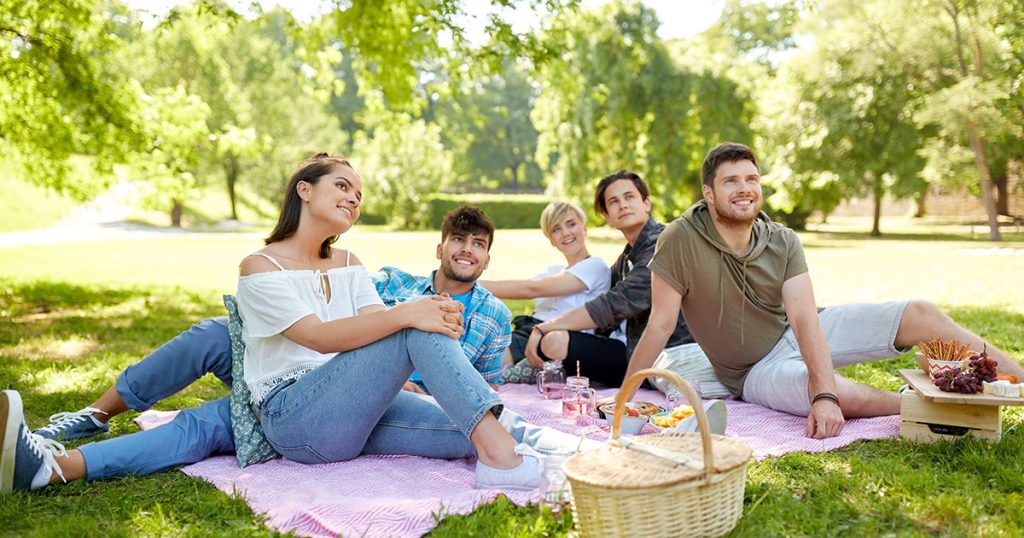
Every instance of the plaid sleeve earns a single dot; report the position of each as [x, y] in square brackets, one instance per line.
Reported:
[393, 285]
[495, 337]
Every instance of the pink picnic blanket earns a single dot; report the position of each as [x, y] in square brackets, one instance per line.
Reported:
[407, 495]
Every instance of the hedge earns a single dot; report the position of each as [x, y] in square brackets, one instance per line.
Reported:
[507, 210]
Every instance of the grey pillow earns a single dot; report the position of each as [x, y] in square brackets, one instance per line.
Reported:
[251, 444]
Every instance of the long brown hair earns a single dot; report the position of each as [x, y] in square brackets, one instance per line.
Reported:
[310, 171]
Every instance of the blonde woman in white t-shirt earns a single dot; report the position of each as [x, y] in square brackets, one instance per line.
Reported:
[326, 361]
[556, 291]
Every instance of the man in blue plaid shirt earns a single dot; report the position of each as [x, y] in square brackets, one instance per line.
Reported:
[466, 237]
[206, 348]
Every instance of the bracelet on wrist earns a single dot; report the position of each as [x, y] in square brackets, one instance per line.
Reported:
[541, 331]
[825, 396]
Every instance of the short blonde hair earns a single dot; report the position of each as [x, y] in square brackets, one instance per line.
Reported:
[555, 212]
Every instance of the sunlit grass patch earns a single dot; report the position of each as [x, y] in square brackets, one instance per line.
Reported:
[37, 348]
[69, 379]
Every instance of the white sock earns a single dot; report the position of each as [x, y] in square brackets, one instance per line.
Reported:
[96, 421]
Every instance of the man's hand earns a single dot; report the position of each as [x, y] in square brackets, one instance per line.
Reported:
[826, 420]
[531, 350]
[412, 387]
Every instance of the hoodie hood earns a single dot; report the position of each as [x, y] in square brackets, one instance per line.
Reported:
[699, 216]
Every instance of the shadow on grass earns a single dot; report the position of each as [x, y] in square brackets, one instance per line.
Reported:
[112, 328]
[65, 343]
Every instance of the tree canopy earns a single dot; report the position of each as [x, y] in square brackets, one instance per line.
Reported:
[841, 98]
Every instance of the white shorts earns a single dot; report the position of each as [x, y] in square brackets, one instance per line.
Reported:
[690, 362]
[855, 333]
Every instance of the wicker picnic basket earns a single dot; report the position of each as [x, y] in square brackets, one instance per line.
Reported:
[670, 484]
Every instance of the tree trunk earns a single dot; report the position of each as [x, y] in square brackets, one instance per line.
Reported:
[231, 173]
[515, 160]
[176, 210]
[987, 195]
[987, 198]
[878, 194]
[1003, 194]
[921, 204]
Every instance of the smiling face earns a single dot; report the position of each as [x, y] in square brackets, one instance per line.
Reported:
[735, 197]
[334, 199]
[464, 255]
[569, 234]
[625, 208]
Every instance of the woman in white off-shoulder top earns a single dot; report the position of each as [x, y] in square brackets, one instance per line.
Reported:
[326, 361]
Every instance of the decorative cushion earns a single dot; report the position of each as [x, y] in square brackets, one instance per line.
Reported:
[251, 444]
[522, 372]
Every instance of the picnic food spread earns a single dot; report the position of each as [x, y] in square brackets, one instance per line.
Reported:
[633, 409]
[969, 370]
[671, 420]
[1002, 387]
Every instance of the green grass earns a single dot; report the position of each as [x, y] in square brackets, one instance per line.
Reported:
[24, 206]
[75, 315]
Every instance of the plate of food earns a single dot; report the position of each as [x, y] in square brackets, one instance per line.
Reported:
[669, 420]
[645, 409]
[635, 416]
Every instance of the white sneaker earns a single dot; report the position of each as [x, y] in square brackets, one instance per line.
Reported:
[718, 418]
[525, 476]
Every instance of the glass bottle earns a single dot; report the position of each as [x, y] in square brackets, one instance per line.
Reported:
[554, 487]
[551, 380]
[675, 397]
[577, 397]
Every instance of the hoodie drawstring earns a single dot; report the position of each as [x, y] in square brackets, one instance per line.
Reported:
[721, 290]
[743, 303]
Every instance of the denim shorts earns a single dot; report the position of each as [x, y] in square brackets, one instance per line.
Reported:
[855, 333]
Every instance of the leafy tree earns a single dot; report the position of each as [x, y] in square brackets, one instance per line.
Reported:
[264, 100]
[617, 99]
[948, 48]
[401, 163]
[176, 124]
[58, 97]
[842, 119]
[758, 28]
[487, 121]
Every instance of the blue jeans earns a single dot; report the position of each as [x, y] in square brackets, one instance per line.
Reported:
[203, 348]
[197, 433]
[328, 414]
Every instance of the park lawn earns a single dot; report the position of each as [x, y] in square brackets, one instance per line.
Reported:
[75, 315]
[25, 206]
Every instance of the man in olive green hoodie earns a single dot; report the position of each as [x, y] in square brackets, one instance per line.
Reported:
[741, 281]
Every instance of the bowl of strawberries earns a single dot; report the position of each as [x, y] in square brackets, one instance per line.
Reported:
[634, 416]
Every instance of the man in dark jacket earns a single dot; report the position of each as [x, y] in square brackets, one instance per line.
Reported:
[624, 200]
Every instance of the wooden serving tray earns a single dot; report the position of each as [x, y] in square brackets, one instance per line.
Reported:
[927, 390]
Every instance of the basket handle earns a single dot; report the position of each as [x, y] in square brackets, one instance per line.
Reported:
[702, 419]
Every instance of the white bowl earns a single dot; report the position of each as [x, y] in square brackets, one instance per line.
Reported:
[630, 425]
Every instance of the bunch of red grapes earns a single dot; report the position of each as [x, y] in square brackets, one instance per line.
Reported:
[968, 379]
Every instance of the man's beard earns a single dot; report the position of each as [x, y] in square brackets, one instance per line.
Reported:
[730, 221]
[450, 274]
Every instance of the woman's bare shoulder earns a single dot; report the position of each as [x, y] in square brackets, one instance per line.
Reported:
[255, 263]
[343, 258]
